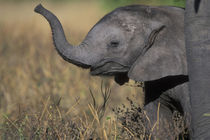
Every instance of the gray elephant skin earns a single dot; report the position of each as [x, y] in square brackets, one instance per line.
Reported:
[142, 43]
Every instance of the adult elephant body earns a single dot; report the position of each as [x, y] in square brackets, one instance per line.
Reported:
[197, 31]
[142, 43]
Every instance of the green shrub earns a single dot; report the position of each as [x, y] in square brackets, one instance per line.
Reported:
[111, 4]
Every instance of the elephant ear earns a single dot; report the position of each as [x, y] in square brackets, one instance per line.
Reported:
[163, 55]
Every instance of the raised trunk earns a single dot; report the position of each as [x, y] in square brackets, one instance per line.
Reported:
[76, 55]
[197, 33]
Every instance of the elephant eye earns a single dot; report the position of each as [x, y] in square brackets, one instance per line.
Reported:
[114, 44]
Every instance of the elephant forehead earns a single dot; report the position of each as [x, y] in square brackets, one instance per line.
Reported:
[127, 23]
[106, 31]
[121, 19]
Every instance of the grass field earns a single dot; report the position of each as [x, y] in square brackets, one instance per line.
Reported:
[41, 95]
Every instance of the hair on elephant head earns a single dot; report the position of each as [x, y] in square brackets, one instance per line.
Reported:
[135, 42]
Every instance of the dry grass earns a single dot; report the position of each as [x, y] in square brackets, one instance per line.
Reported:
[44, 97]
[134, 123]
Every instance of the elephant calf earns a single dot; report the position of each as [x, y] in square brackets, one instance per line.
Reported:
[141, 43]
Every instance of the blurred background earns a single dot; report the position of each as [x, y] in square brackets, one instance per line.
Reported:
[33, 76]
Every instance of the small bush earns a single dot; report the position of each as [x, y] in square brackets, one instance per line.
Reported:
[134, 123]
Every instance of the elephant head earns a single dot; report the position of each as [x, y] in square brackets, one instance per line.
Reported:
[138, 42]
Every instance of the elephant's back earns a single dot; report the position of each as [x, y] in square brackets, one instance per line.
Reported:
[148, 9]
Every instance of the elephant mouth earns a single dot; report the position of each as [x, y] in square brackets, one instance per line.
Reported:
[108, 69]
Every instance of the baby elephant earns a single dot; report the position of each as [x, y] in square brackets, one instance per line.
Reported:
[142, 43]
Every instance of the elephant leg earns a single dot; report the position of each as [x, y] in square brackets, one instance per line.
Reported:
[163, 119]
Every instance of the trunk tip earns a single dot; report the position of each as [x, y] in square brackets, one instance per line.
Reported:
[38, 8]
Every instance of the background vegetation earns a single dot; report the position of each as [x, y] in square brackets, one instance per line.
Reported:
[44, 97]
[110, 4]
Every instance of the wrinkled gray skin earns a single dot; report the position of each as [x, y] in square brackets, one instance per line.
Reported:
[197, 31]
[141, 43]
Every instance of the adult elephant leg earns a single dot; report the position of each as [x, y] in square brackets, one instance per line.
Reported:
[197, 33]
